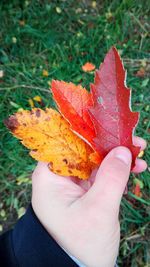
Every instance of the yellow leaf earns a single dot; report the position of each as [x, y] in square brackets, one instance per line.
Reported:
[20, 109]
[14, 40]
[50, 139]
[141, 154]
[94, 4]
[49, 83]
[58, 10]
[21, 212]
[109, 15]
[31, 103]
[2, 213]
[37, 98]
[45, 73]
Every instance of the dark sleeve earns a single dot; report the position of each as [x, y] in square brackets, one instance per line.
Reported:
[29, 245]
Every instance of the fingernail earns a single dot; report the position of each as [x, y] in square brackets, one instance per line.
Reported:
[123, 154]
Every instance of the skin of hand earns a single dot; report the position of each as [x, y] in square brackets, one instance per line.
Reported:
[82, 216]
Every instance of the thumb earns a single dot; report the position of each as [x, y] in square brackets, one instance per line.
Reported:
[111, 178]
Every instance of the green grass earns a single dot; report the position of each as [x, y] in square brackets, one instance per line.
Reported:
[61, 43]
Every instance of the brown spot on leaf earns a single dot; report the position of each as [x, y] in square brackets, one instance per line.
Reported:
[34, 150]
[74, 166]
[38, 113]
[59, 171]
[65, 160]
[71, 166]
[11, 123]
[78, 166]
[50, 165]
[69, 171]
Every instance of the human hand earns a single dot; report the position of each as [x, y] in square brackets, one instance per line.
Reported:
[82, 216]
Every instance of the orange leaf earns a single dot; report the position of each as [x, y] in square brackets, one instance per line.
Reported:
[50, 139]
[88, 67]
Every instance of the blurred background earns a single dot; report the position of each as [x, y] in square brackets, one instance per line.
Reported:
[45, 40]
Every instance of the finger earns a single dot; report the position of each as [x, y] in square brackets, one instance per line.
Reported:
[45, 176]
[140, 166]
[41, 171]
[43, 179]
[86, 184]
[139, 141]
[111, 179]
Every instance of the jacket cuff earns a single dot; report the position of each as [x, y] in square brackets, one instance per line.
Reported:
[34, 247]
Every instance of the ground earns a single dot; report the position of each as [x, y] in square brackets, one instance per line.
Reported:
[45, 40]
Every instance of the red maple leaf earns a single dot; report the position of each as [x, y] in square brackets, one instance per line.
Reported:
[111, 114]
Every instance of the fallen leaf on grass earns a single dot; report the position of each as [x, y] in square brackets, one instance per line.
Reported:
[141, 72]
[31, 103]
[137, 190]
[21, 22]
[141, 154]
[88, 67]
[37, 98]
[45, 73]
